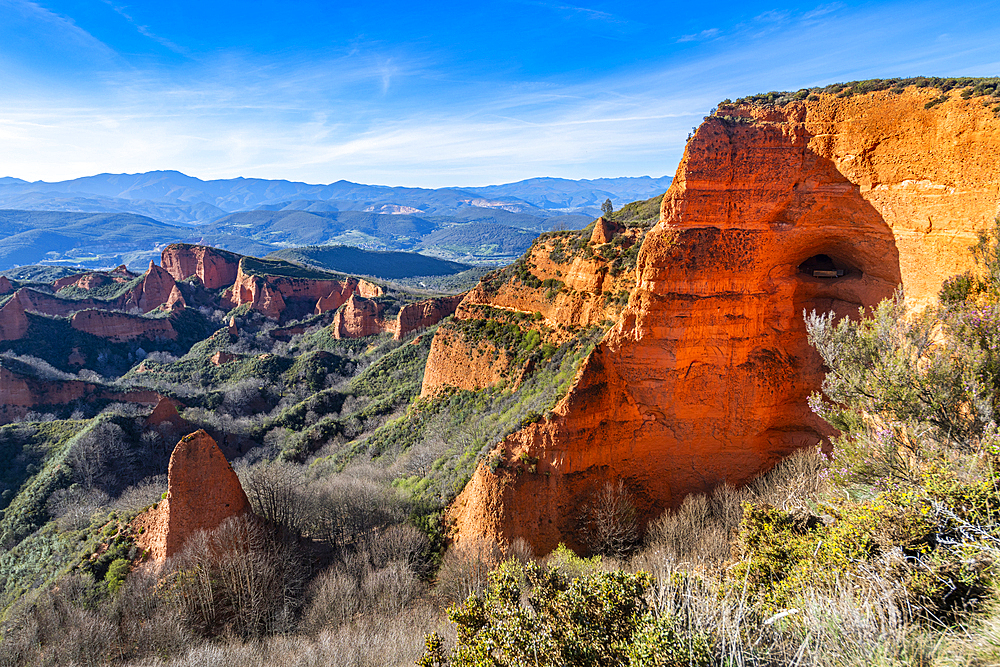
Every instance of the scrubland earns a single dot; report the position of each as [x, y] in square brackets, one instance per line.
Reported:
[879, 550]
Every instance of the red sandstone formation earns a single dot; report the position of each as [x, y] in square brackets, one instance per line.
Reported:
[604, 231]
[165, 412]
[203, 491]
[22, 394]
[358, 318]
[121, 327]
[84, 281]
[5, 286]
[270, 294]
[215, 268]
[220, 358]
[13, 321]
[423, 314]
[704, 377]
[46, 304]
[581, 302]
[156, 289]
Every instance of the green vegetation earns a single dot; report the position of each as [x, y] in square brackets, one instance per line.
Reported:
[480, 240]
[452, 284]
[969, 87]
[106, 292]
[358, 262]
[883, 552]
[279, 267]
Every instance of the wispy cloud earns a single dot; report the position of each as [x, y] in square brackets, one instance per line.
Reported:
[700, 36]
[145, 31]
[396, 115]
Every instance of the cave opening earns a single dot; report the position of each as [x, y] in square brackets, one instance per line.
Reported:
[824, 266]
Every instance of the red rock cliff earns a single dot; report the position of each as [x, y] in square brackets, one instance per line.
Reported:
[561, 287]
[121, 327]
[215, 268]
[13, 321]
[203, 491]
[705, 375]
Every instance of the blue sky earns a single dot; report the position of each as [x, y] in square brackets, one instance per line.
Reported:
[422, 94]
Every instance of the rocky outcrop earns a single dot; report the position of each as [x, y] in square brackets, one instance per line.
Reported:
[358, 318]
[5, 286]
[121, 327]
[462, 364]
[165, 413]
[604, 231]
[220, 358]
[24, 393]
[705, 375]
[46, 304]
[13, 321]
[84, 281]
[202, 492]
[214, 268]
[422, 314]
[557, 288]
[271, 293]
[157, 289]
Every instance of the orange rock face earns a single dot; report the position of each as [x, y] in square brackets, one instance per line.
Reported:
[705, 375]
[220, 358]
[420, 315]
[358, 318]
[22, 394]
[13, 321]
[39, 302]
[85, 281]
[121, 327]
[604, 231]
[156, 289]
[569, 292]
[215, 268]
[165, 412]
[203, 491]
[272, 294]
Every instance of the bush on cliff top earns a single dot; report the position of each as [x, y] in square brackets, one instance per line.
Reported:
[970, 86]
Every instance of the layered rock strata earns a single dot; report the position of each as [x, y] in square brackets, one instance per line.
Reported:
[825, 205]
[202, 492]
[272, 294]
[122, 327]
[24, 393]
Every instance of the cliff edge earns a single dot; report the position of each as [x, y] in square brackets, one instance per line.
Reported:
[828, 204]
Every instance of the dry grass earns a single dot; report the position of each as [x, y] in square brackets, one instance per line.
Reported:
[367, 641]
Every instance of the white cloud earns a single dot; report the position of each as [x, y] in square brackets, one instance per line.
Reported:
[390, 116]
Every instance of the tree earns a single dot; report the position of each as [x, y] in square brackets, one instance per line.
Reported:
[607, 207]
[610, 521]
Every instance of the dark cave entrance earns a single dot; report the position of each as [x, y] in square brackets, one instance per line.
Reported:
[824, 266]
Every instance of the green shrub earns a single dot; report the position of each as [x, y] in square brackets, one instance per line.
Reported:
[117, 572]
[584, 621]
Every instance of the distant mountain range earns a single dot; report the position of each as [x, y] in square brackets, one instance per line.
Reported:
[107, 219]
[170, 196]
